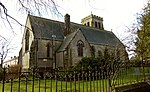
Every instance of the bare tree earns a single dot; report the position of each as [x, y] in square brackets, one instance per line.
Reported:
[5, 48]
[29, 6]
[129, 40]
[137, 40]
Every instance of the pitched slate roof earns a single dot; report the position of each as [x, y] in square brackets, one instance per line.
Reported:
[97, 36]
[67, 40]
[45, 28]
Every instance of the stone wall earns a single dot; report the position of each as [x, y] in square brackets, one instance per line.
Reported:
[73, 46]
[101, 47]
[43, 59]
[25, 54]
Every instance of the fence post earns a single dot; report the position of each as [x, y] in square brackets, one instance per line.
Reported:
[89, 75]
[109, 84]
[4, 72]
[83, 76]
[33, 79]
[75, 80]
[19, 79]
[56, 73]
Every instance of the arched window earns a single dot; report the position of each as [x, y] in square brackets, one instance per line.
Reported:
[95, 24]
[92, 51]
[80, 46]
[49, 50]
[100, 55]
[99, 25]
[88, 24]
[27, 40]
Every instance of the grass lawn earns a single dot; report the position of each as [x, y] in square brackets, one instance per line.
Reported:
[53, 85]
[124, 77]
[131, 76]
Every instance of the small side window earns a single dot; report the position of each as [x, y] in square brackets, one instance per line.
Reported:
[80, 46]
[27, 40]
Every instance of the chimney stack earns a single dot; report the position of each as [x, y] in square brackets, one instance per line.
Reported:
[67, 24]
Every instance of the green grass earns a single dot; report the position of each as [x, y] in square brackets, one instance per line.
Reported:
[124, 77]
[131, 76]
[51, 86]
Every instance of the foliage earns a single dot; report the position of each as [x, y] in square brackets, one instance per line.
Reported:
[107, 62]
[88, 62]
[14, 68]
[12, 72]
[143, 33]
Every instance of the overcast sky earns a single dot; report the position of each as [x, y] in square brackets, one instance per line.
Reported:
[117, 14]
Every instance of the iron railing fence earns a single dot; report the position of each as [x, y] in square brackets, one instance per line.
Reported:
[103, 79]
[55, 80]
[130, 75]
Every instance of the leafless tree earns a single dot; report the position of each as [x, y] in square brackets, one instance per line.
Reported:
[5, 48]
[130, 39]
[29, 6]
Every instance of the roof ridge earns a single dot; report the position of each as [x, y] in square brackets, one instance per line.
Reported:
[95, 29]
[65, 43]
[45, 18]
[95, 35]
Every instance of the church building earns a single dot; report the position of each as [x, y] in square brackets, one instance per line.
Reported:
[49, 43]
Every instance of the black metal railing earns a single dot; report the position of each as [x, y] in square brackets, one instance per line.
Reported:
[54, 80]
[130, 74]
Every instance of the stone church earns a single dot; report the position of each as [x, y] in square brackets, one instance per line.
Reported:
[49, 43]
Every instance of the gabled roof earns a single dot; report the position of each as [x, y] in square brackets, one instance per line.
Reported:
[97, 36]
[45, 28]
[67, 40]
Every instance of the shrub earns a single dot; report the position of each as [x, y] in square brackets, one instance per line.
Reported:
[14, 68]
[91, 65]
[88, 63]
[12, 72]
[81, 71]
